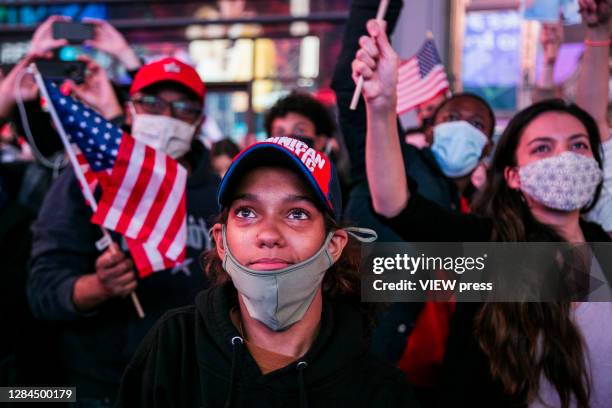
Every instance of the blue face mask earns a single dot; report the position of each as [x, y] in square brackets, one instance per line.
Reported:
[457, 147]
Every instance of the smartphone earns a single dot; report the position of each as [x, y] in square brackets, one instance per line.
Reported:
[57, 71]
[73, 31]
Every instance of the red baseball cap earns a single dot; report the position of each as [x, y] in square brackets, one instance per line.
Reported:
[169, 69]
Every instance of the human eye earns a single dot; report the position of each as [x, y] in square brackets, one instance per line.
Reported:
[580, 146]
[299, 130]
[453, 116]
[244, 212]
[477, 124]
[298, 214]
[541, 148]
[278, 131]
[186, 109]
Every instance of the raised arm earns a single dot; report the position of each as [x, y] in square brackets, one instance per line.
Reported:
[377, 62]
[551, 38]
[353, 122]
[592, 90]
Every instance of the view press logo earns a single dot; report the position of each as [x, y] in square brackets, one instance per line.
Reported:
[486, 272]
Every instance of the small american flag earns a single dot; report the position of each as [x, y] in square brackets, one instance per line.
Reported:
[143, 190]
[420, 78]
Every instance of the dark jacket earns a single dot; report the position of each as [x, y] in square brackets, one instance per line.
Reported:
[96, 346]
[194, 357]
[467, 380]
[24, 359]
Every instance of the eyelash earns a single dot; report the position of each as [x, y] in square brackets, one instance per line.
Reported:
[238, 210]
[537, 149]
[582, 145]
[300, 210]
[303, 213]
[452, 117]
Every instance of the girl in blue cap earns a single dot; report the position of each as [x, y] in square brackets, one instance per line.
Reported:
[282, 324]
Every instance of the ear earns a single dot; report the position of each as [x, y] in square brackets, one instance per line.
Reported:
[511, 174]
[319, 143]
[217, 233]
[337, 244]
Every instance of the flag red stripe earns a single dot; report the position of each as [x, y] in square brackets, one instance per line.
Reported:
[407, 72]
[160, 200]
[424, 95]
[413, 103]
[114, 181]
[401, 110]
[137, 192]
[416, 95]
[407, 86]
[140, 258]
[173, 228]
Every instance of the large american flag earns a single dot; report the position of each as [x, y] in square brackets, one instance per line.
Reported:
[143, 190]
[420, 78]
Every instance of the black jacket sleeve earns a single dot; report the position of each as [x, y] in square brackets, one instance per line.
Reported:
[353, 123]
[425, 221]
[63, 249]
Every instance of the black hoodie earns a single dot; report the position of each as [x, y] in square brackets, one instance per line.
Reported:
[195, 357]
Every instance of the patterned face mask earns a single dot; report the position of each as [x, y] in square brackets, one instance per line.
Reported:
[565, 182]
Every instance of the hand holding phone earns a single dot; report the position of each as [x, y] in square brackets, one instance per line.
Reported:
[108, 39]
[43, 41]
[74, 32]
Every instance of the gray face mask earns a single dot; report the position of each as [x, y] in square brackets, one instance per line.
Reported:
[281, 297]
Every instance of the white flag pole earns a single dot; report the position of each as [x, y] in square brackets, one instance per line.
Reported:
[380, 15]
[107, 240]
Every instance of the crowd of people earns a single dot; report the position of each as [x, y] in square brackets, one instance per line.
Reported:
[266, 309]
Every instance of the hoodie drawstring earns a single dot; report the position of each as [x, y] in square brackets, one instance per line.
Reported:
[237, 343]
[302, 388]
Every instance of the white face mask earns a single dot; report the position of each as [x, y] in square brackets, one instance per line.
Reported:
[163, 133]
[563, 182]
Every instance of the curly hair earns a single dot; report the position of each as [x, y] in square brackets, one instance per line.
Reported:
[305, 105]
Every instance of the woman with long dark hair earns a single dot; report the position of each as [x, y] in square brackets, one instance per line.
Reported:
[546, 171]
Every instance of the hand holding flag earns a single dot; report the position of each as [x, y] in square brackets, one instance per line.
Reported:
[376, 63]
[380, 15]
[143, 190]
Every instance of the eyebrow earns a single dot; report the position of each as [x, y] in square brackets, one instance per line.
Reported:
[578, 136]
[549, 138]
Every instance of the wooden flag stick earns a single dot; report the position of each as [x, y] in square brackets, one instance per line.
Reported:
[89, 197]
[380, 15]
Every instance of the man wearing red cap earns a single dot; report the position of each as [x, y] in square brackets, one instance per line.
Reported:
[166, 102]
[88, 290]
